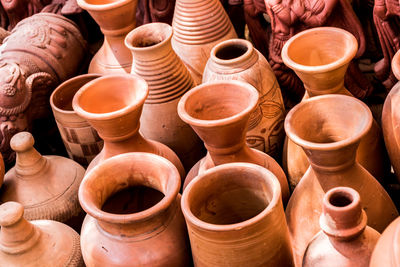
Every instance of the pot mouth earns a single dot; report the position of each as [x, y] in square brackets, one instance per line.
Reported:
[231, 51]
[102, 5]
[148, 36]
[319, 49]
[396, 65]
[221, 200]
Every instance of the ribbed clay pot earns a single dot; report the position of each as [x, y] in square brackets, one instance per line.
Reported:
[80, 139]
[47, 186]
[237, 59]
[116, 18]
[235, 217]
[345, 239]
[36, 243]
[113, 104]
[168, 79]
[134, 215]
[198, 26]
[322, 126]
[320, 57]
[219, 113]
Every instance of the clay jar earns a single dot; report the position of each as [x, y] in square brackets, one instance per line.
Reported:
[320, 57]
[134, 216]
[329, 137]
[198, 26]
[112, 105]
[219, 113]
[80, 139]
[235, 217]
[237, 59]
[36, 243]
[168, 79]
[345, 239]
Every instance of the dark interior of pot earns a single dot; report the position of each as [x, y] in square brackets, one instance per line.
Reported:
[231, 51]
[340, 199]
[148, 35]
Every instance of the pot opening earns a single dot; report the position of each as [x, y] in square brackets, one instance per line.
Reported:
[341, 199]
[231, 51]
[62, 99]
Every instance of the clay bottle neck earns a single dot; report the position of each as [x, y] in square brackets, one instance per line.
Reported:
[324, 89]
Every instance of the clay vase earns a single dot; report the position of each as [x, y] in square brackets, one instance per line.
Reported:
[237, 59]
[116, 18]
[112, 104]
[345, 239]
[80, 139]
[134, 215]
[235, 217]
[168, 79]
[36, 243]
[322, 126]
[47, 186]
[320, 57]
[198, 26]
[219, 113]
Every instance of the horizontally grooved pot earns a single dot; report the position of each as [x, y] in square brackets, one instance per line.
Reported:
[168, 79]
[198, 26]
[330, 137]
[116, 18]
[219, 113]
[236, 59]
[80, 139]
[235, 217]
[320, 57]
[134, 216]
[113, 104]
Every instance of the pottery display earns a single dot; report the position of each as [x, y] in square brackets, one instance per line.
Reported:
[345, 239]
[168, 79]
[134, 216]
[80, 139]
[198, 26]
[329, 137]
[237, 59]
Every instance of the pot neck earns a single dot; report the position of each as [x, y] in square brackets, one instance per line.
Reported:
[338, 88]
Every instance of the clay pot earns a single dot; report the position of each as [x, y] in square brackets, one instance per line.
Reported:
[219, 113]
[112, 104]
[329, 136]
[47, 186]
[116, 18]
[345, 239]
[168, 79]
[2, 169]
[36, 243]
[237, 59]
[80, 139]
[198, 26]
[235, 217]
[134, 216]
[320, 57]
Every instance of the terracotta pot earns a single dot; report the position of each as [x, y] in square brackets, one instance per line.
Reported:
[320, 57]
[345, 239]
[237, 59]
[2, 170]
[116, 18]
[113, 104]
[198, 26]
[47, 186]
[235, 217]
[80, 139]
[219, 113]
[168, 79]
[134, 216]
[330, 137]
[36, 243]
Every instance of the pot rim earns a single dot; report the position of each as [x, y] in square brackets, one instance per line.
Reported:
[103, 7]
[396, 65]
[228, 43]
[148, 27]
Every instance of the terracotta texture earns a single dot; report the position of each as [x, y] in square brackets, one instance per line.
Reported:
[330, 140]
[2, 169]
[322, 69]
[235, 217]
[168, 79]
[219, 113]
[345, 239]
[198, 26]
[145, 231]
[80, 139]
[36, 243]
[236, 59]
[112, 105]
